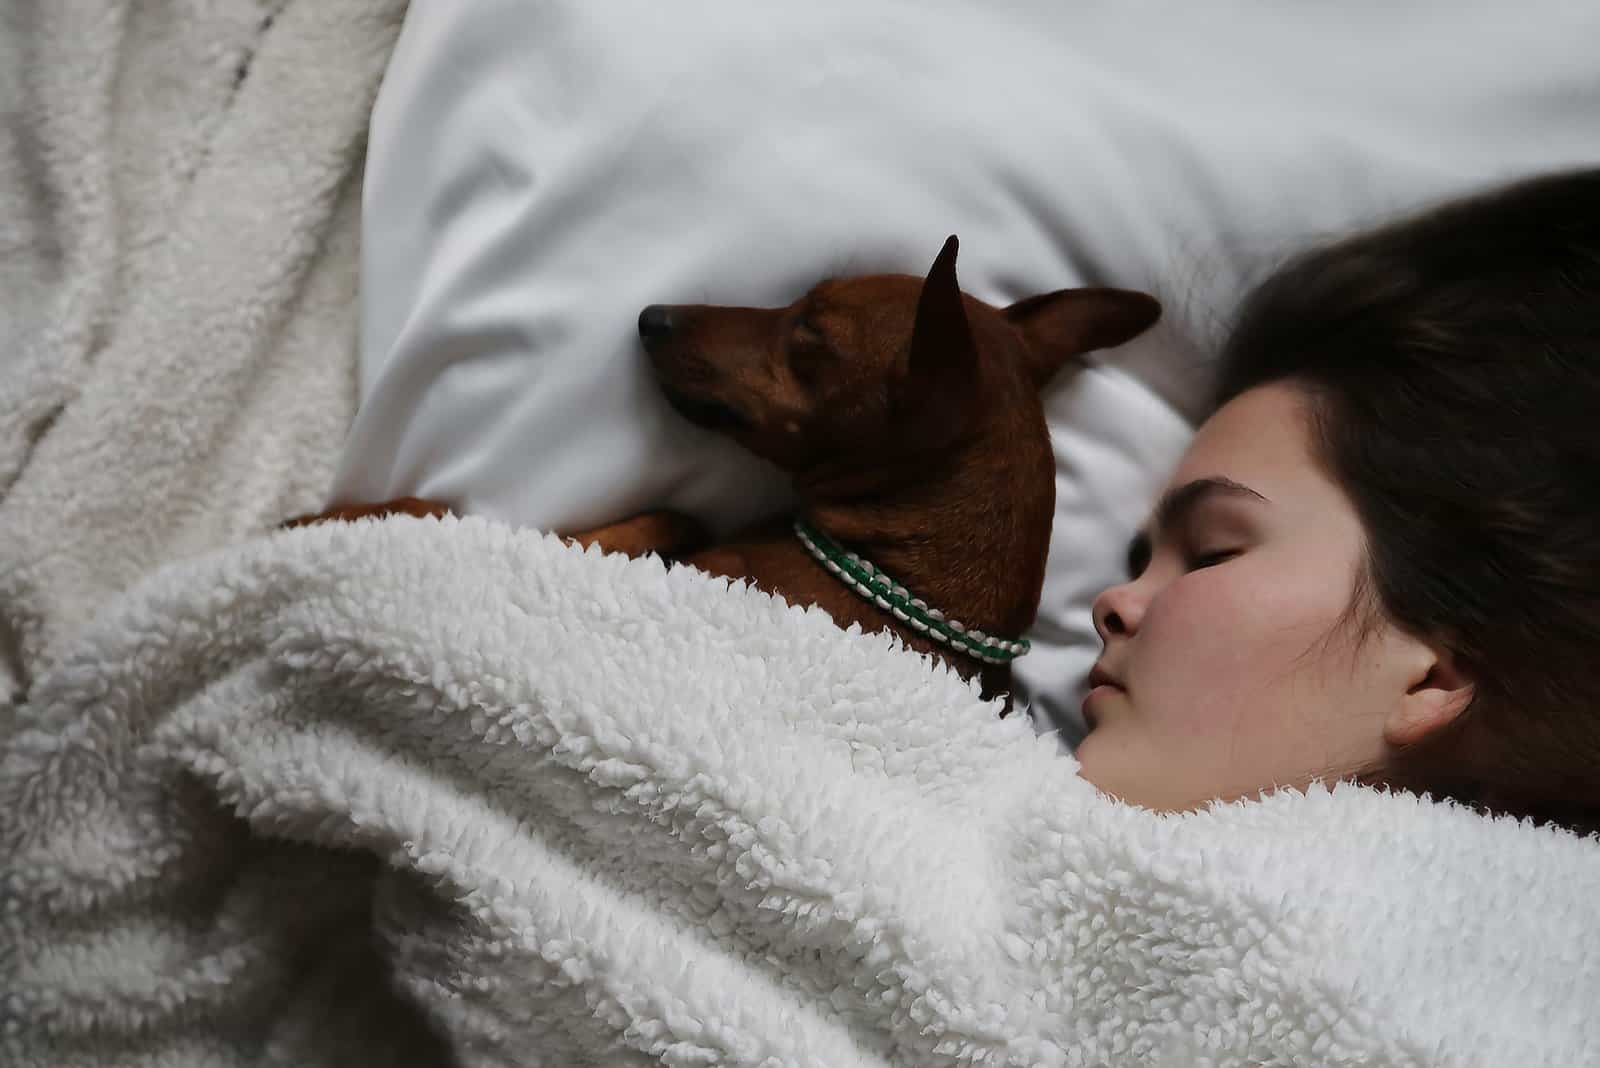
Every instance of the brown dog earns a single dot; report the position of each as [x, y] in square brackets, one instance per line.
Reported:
[908, 415]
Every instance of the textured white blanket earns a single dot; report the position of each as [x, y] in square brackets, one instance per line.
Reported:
[179, 193]
[356, 794]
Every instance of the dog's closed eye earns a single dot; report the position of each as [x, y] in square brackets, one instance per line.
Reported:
[806, 331]
[808, 351]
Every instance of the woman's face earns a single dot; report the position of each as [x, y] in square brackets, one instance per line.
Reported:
[1235, 676]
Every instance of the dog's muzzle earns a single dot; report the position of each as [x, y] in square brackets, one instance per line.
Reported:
[657, 324]
[711, 414]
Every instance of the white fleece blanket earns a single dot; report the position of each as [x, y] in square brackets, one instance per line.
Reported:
[179, 195]
[365, 793]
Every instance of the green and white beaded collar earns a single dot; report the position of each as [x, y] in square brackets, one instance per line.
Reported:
[878, 588]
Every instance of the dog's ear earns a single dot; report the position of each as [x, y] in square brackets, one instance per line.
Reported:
[932, 385]
[1059, 327]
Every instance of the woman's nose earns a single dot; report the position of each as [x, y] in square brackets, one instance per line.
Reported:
[1116, 611]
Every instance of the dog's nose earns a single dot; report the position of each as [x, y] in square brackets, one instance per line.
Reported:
[655, 322]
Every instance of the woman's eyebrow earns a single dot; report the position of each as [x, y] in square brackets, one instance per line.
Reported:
[1177, 503]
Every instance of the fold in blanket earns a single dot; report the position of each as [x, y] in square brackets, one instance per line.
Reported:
[179, 197]
[368, 793]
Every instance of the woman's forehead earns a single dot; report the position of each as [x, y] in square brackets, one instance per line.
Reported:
[1262, 433]
[1261, 443]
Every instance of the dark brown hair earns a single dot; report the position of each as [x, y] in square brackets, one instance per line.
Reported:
[1452, 365]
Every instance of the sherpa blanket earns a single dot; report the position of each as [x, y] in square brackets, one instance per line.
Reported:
[392, 792]
[179, 195]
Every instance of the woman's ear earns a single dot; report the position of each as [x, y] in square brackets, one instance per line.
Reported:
[1441, 693]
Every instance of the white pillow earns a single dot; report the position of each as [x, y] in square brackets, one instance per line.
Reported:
[539, 172]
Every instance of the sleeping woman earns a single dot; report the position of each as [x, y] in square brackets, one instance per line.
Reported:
[1379, 559]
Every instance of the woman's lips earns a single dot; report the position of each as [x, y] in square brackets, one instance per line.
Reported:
[1099, 693]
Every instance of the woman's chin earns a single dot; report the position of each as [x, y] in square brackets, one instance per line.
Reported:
[1088, 772]
[1099, 764]
[1089, 754]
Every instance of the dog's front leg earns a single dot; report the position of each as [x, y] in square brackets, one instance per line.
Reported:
[665, 533]
[351, 512]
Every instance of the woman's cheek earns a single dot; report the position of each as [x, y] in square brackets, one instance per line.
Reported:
[1211, 646]
[1174, 677]
[1198, 618]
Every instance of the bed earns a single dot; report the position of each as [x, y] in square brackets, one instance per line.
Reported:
[421, 792]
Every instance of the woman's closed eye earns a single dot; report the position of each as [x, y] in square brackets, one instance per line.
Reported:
[1211, 559]
[1140, 552]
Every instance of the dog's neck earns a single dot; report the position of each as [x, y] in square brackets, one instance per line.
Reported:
[967, 531]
